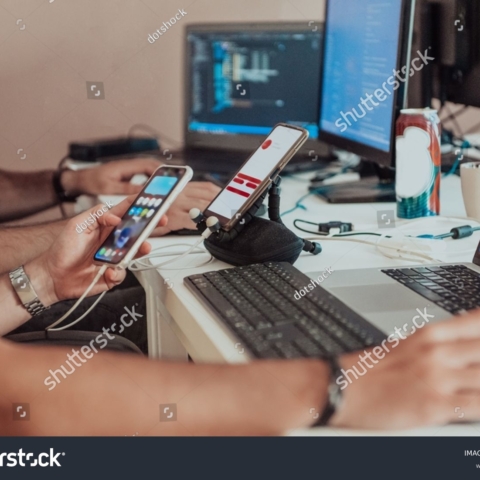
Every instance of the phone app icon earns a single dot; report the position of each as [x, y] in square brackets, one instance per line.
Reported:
[266, 144]
[138, 211]
[140, 201]
[150, 213]
[132, 211]
[151, 203]
[102, 251]
[144, 212]
[145, 201]
[158, 202]
[108, 252]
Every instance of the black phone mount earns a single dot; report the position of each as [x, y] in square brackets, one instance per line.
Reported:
[257, 240]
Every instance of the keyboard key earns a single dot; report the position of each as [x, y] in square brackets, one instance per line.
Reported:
[425, 292]
[287, 350]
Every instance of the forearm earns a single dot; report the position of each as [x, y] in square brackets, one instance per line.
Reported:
[19, 245]
[13, 313]
[120, 395]
[24, 194]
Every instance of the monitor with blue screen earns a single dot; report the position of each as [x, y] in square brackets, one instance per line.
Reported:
[365, 42]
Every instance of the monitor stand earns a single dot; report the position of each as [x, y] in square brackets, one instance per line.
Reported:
[376, 185]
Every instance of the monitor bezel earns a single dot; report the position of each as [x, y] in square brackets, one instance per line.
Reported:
[384, 158]
[241, 142]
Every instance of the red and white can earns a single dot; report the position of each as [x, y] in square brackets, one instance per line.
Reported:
[418, 163]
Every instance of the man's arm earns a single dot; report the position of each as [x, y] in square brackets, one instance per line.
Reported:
[25, 193]
[19, 245]
[427, 380]
[111, 394]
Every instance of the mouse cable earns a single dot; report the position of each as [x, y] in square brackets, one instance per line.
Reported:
[99, 274]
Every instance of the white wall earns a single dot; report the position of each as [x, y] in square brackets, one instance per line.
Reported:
[45, 66]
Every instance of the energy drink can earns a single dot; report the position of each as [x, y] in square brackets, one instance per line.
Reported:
[418, 163]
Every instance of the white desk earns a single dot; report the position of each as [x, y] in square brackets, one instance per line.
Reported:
[179, 325]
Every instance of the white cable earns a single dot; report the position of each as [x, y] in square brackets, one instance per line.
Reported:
[213, 225]
[80, 300]
[366, 242]
[139, 264]
[80, 318]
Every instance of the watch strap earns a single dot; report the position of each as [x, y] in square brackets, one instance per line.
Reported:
[334, 396]
[62, 195]
[26, 293]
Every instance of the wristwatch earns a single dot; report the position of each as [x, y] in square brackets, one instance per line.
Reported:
[25, 291]
[335, 394]
[62, 195]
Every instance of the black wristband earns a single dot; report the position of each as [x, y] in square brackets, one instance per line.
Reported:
[62, 195]
[334, 396]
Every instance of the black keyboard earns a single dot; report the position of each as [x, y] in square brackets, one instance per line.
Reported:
[455, 288]
[257, 304]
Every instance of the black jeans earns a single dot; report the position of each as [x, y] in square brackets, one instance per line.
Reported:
[116, 303]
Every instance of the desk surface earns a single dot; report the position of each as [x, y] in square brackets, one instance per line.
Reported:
[207, 340]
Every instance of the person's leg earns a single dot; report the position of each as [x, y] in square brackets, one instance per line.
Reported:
[106, 314]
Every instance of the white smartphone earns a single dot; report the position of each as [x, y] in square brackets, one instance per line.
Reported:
[256, 174]
[158, 194]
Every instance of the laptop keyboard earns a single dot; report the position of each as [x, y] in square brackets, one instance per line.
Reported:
[257, 304]
[455, 288]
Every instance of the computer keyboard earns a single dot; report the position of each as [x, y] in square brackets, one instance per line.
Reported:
[455, 288]
[257, 304]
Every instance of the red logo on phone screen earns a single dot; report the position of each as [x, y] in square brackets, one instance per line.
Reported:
[266, 144]
[243, 185]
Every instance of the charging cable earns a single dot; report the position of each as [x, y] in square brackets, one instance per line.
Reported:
[99, 275]
[139, 265]
[213, 226]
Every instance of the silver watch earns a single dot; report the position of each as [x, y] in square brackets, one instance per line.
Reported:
[25, 291]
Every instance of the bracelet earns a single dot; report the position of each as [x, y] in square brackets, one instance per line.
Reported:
[62, 195]
[335, 394]
[26, 293]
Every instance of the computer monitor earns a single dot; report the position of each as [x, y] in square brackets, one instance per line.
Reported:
[242, 79]
[456, 31]
[366, 44]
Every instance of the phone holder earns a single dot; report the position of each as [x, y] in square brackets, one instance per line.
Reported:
[257, 240]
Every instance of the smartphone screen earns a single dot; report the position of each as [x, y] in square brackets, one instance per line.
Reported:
[258, 168]
[139, 215]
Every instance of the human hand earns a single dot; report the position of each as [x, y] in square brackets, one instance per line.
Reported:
[67, 269]
[112, 178]
[195, 194]
[431, 378]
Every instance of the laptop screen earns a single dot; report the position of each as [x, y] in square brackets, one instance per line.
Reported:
[244, 79]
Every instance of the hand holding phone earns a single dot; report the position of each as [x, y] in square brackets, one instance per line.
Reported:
[161, 190]
[256, 175]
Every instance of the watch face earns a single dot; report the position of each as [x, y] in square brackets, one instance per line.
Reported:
[23, 287]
